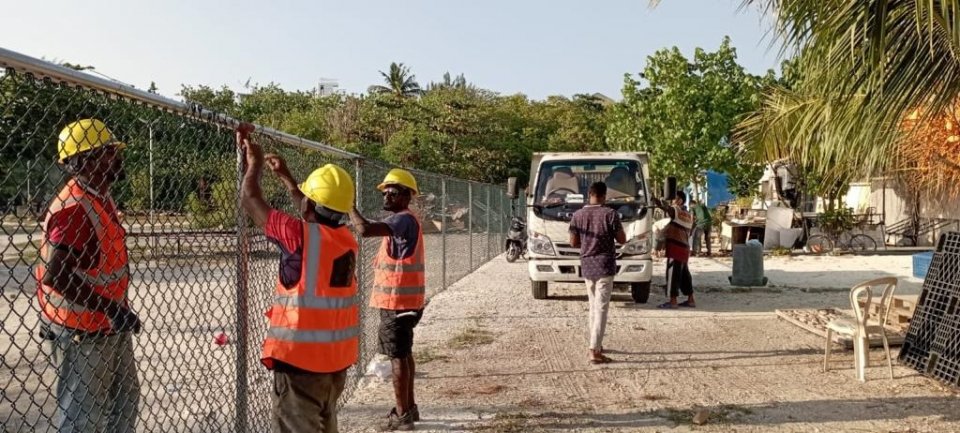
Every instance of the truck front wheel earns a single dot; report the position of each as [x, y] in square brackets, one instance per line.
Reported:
[539, 289]
[640, 292]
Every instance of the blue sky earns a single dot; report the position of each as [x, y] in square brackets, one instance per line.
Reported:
[535, 47]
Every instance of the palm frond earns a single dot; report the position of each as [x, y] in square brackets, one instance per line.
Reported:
[866, 65]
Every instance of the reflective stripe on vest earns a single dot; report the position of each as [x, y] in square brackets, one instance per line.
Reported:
[313, 326]
[110, 278]
[57, 301]
[297, 301]
[415, 290]
[399, 284]
[103, 279]
[399, 267]
[314, 336]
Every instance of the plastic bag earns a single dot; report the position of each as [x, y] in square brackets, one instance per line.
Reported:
[381, 367]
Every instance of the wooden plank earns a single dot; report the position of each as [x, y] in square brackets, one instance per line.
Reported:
[906, 302]
[815, 321]
[898, 318]
[794, 318]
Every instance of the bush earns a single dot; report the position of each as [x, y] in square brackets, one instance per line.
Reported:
[836, 221]
[220, 210]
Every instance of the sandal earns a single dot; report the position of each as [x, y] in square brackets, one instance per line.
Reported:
[666, 306]
[687, 304]
[603, 359]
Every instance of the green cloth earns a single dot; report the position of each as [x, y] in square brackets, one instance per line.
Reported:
[702, 214]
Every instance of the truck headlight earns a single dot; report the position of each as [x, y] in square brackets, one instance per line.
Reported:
[541, 244]
[639, 245]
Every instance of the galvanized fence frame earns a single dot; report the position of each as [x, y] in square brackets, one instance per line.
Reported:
[454, 213]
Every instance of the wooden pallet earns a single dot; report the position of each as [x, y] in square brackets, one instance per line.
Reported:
[815, 321]
[901, 311]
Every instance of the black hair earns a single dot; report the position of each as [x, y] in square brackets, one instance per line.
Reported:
[682, 196]
[327, 216]
[598, 189]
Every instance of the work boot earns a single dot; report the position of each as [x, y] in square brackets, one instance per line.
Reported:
[415, 413]
[395, 422]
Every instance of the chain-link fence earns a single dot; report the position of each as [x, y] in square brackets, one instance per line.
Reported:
[200, 274]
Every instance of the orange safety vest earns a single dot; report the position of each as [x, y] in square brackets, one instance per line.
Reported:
[315, 325]
[680, 226]
[399, 284]
[110, 278]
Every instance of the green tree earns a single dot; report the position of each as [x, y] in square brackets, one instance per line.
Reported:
[450, 82]
[683, 111]
[222, 100]
[866, 65]
[398, 82]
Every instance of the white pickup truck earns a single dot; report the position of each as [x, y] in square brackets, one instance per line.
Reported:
[558, 188]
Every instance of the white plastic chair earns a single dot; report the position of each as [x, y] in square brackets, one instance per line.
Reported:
[860, 327]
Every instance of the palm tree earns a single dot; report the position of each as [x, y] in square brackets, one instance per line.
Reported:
[866, 66]
[399, 82]
[449, 82]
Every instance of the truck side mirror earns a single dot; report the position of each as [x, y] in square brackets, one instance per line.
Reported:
[670, 188]
[513, 188]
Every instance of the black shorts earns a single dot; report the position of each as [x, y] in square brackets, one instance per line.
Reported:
[396, 332]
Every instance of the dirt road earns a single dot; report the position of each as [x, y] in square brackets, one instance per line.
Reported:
[493, 359]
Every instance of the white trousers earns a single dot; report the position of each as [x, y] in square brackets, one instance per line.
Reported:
[598, 294]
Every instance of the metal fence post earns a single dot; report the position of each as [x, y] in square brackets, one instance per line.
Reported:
[487, 189]
[470, 222]
[359, 274]
[243, 251]
[502, 217]
[443, 232]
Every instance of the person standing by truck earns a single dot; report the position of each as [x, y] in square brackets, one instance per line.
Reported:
[702, 221]
[677, 235]
[596, 229]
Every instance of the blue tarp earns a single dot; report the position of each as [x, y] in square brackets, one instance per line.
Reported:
[716, 192]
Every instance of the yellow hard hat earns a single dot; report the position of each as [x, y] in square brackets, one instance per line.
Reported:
[399, 176]
[85, 135]
[331, 187]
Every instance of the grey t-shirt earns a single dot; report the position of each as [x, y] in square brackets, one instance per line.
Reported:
[405, 234]
[597, 227]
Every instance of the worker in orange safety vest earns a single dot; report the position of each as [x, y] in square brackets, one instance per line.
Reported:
[314, 321]
[399, 288]
[83, 280]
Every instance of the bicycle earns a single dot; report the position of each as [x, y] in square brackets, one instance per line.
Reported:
[825, 243]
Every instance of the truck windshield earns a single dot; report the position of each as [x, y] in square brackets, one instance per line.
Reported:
[562, 187]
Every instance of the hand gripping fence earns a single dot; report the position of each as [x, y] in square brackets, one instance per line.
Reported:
[200, 274]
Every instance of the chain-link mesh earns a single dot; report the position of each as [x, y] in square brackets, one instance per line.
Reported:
[201, 275]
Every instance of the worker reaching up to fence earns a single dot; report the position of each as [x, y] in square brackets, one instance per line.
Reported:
[399, 288]
[83, 279]
[314, 321]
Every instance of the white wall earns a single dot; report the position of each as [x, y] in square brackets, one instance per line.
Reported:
[898, 206]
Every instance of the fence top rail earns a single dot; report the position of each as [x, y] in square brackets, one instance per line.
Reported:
[21, 62]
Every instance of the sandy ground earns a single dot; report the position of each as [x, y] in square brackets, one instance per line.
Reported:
[188, 384]
[494, 359]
